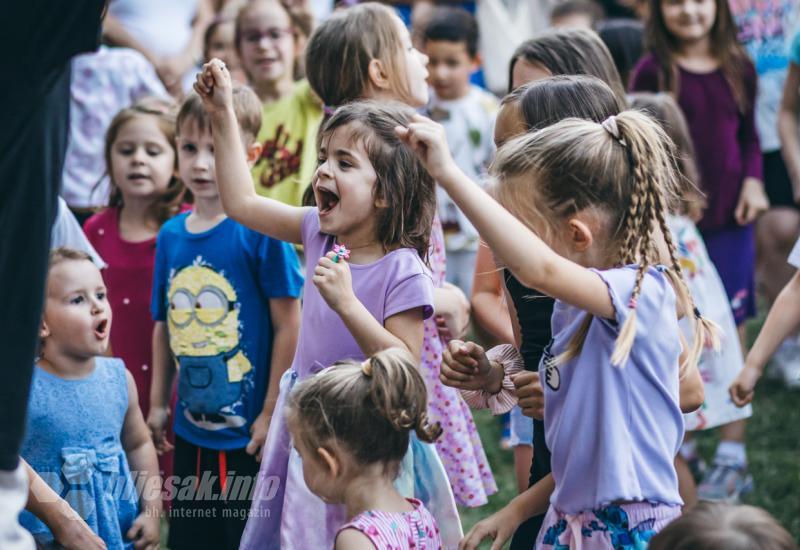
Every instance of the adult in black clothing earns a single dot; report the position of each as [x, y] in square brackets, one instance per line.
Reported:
[39, 38]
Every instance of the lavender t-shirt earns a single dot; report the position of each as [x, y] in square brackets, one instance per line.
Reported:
[395, 283]
[614, 432]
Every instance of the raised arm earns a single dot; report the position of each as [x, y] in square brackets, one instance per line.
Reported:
[531, 261]
[236, 190]
[788, 127]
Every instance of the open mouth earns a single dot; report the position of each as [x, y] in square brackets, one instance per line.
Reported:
[202, 181]
[326, 200]
[138, 177]
[101, 329]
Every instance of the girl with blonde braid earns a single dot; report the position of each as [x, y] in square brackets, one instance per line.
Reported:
[597, 194]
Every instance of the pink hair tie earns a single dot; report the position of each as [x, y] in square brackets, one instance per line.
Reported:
[341, 253]
[632, 303]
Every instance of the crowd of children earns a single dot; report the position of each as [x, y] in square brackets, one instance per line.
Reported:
[309, 241]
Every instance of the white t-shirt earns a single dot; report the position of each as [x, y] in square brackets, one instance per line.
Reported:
[469, 125]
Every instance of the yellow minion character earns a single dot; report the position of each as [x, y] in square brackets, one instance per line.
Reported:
[204, 337]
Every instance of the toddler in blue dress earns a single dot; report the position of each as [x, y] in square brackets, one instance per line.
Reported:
[85, 432]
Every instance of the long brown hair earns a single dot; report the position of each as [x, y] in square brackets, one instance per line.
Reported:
[341, 48]
[169, 203]
[667, 112]
[369, 408]
[725, 48]
[402, 183]
[570, 51]
[622, 168]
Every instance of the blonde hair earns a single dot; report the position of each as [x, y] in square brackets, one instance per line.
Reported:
[621, 167]
[368, 408]
[246, 107]
[64, 254]
[341, 48]
[718, 526]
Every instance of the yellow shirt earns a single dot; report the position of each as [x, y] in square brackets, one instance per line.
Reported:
[289, 139]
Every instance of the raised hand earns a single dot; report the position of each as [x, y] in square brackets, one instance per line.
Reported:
[215, 87]
[334, 281]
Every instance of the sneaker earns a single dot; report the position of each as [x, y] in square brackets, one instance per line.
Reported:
[725, 483]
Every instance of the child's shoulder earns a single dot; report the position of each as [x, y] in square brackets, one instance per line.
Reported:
[656, 297]
[104, 220]
[645, 73]
[174, 226]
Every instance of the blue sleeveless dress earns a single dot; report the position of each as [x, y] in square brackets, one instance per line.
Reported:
[72, 440]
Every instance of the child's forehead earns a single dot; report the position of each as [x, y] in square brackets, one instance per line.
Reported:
[353, 136]
[194, 128]
[444, 48]
[73, 275]
[264, 13]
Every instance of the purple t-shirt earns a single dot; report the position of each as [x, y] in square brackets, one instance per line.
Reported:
[614, 432]
[726, 144]
[395, 283]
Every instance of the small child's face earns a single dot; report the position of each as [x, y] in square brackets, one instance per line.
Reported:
[450, 67]
[509, 123]
[196, 160]
[689, 20]
[267, 48]
[142, 160]
[221, 45]
[416, 63]
[316, 471]
[344, 183]
[77, 317]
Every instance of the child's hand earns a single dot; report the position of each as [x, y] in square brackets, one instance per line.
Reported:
[156, 422]
[500, 526]
[258, 434]
[466, 367]
[427, 139]
[530, 394]
[452, 312]
[334, 282]
[215, 87]
[743, 387]
[753, 202]
[145, 531]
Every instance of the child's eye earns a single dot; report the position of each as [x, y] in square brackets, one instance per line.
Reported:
[345, 164]
[320, 161]
[125, 150]
[76, 300]
[188, 147]
[154, 151]
[101, 295]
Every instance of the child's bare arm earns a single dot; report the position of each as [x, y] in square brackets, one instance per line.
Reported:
[285, 316]
[531, 261]
[501, 525]
[782, 320]
[143, 461]
[236, 191]
[160, 386]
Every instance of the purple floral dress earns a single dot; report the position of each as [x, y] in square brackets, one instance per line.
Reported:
[460, 445]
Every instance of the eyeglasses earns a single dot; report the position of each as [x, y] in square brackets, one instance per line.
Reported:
[271, 35]
[209, 307]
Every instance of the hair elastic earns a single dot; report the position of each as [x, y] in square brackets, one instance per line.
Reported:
[610, 126]
[632, 303]
[697, 314]
[366, 367]
[328, 110]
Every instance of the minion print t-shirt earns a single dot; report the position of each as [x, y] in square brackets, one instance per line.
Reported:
[288, 138]
[213, 290]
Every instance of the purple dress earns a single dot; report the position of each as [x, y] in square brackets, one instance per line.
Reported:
[284, 513]
[460, 445]
[727, 151]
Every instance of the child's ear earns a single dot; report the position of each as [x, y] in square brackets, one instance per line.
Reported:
[253, 152]
[44, 330]
[476, 62]
[579, 236]
[377, 74]
[330, 459]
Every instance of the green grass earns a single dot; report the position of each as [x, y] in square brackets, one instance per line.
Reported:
[773, 450]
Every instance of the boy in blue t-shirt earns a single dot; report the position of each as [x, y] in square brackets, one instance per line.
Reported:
[225, 302]
[467, 114]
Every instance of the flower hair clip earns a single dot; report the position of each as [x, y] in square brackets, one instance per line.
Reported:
[342, 253]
